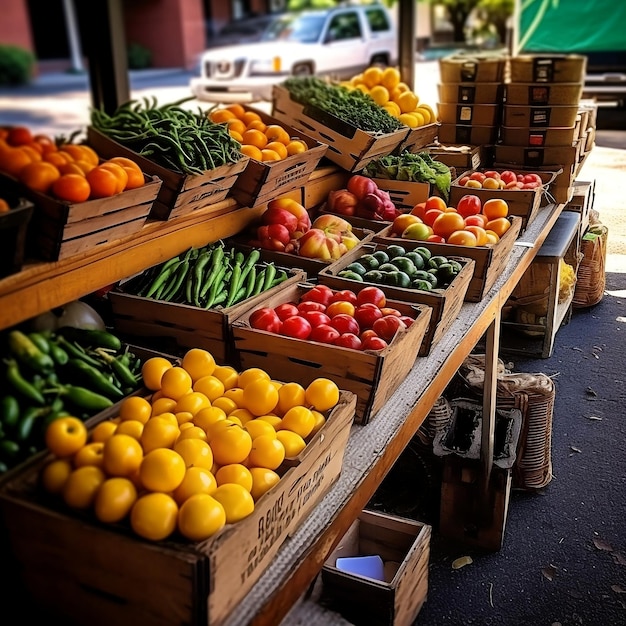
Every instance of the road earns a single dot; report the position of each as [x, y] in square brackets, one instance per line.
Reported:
[59, 104]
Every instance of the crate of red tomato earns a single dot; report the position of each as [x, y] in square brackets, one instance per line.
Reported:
[359, 338]
[524, 191]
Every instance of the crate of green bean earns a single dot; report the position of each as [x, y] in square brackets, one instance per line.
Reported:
[190, 300]
[349, 146]
[196, 159]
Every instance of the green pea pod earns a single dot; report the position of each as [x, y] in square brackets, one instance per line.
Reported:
[21, 385]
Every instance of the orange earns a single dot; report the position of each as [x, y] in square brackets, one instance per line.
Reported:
[82, 485]
[236, 108]
[254, 137]
[72, 168]
[236, 500]
[462, 238]
[159, 432]
[152, 371]
[250, 116]
[227, 374]
[13, 160]
[257, 125]
[275, 132]
[230, 444]
[263, 479]
[252, 151]
[195, 452]
[4, 206]
[290, 395]
[267, 451]
[176, 382]
[479, 233]
[206, 417]
[196, 480]
[19, 135]
[270, 155]
[55, 474]
[120, 174]
[114, 499]
[210, 386]
[260, 397]
[219, 116]
[191, 431]
[39, 176]
[90, 454]
[122, 455]
[198, 362]
[236, 126]
[234, 473]
[258, 427]
[134, 428]
[135, 408]
[292, 442]
[103, 430]
[104, 183]
[322, 394]
[300, 420]
[191, 403]
[435, 202]
[296, 146]
[56, 158]
[278, 147]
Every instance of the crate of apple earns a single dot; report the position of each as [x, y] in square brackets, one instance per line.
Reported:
[286, 226]
[471, 222]
[505, 179]
[360, 320]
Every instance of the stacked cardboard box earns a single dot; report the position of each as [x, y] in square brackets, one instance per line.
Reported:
[470, 98]
[542, 122]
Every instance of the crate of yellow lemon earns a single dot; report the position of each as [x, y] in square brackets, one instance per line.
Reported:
[174, 493]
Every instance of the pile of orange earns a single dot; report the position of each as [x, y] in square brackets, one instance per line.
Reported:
[195, 455]
[69, 172]
[259, 141]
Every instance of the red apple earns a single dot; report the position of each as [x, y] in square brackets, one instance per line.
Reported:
[348, 340]
[345, 323]
[319, 293]
[324, 333]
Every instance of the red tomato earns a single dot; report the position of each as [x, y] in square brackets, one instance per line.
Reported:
[476, 220]
[531, 185]
[374, 343]
[387, 310]
[367, 314]
[419, 209]
[319, 293]
[492, 174]
[345, 324]
[532, 178]
[514, 184]
[371, 294]
[360, 186]
[430, 216]
[462, 238]
[366, 334]
[469, 204]
[463, 180]
[265, 319]
[435, 238]
[387, 326]
[311, 305]
[285, 310]
[435, 202]
[348, 340]
[315, 318]
[296, 326]
[407, 320]
[479, 176]
[324, 333]
[508, 176]
[344, 295]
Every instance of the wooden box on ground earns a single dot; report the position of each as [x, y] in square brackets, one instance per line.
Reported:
[524, 203]
[13, 229]
[460, 156]
[182, 326]
[58, 230]
[84, 572]
[180, 193]
[554, 68]
[445, 304]
[489, 261]
[372, 376]
[262, 181]
[348, 146]
[404, 547]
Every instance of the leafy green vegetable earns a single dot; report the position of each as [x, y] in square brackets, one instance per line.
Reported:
[349, 105]
[414, 167]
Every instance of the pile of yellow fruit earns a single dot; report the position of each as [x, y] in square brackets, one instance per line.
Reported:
[386, 88]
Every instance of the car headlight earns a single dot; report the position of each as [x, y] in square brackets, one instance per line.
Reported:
[266, 66]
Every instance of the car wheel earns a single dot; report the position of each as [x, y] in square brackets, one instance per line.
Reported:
[380, 59]
[303, 69]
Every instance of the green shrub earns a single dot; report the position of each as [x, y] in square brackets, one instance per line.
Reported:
[16, 65]
[139, 57]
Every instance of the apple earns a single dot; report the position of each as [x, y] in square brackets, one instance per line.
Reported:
[374, 343]
[266, 319]
[371, 294]
[508, 176]
[315, 318]
[296, 326]
[345, 323]
[387, 326]
[366, 314]
[304, 220]
[314, 244]
[401, 222]
[276, 215]
[469, 204]
[324, 333]
[346, 295]
[417, 232]
[348, 340]
[305, 306]
[285, 310]
[320, 293]
[479, 176]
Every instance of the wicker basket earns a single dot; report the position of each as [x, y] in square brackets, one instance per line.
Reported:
[591, 275]
[533, 395]
[435, 421]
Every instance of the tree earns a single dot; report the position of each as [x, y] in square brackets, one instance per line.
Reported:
[497, 13]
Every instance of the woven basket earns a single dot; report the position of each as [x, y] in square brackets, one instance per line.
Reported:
[435, 421]
[591, 274]
[533, 395]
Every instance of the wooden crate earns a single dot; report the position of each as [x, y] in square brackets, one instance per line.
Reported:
[348, 146]
[471, 93]
[418, 138]
[182, 326]
[85, 572]
[445, 304]
[180, 194]
[458, 156]
[58, 229]
[489, 261]
[312, 267]
[404, 547]
[524, 203]
[553, 68]
[262, 181]
[13, 229]
[538, 116]
[475, 114]
[467, 133]
[372, 376]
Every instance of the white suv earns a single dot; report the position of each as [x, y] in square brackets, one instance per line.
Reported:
[338, 43]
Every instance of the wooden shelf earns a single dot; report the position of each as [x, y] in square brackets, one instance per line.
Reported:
[44, 286]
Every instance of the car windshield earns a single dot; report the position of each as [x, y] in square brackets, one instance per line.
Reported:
[302, 28]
